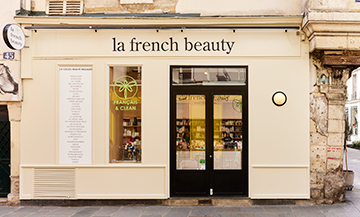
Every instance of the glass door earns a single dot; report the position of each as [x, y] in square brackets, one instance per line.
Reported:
[227, 132]
[208, 141]
[189, 145]
[227, 174]
[190, 132]
[209, 151]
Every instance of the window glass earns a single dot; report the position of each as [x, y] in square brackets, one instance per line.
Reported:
[125, 114]
[190, 132]
[228, 132]
[354, 122]
[209, 76]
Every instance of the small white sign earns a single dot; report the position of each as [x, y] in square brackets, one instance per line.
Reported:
[75, 115]
[14, 36]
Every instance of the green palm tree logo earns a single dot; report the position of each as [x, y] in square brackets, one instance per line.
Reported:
[125, 87]
[237, 104]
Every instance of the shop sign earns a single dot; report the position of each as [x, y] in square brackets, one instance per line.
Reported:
[126, 88]
[172, 45]
[14, 36]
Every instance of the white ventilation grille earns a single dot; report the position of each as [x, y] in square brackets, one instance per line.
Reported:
[64, 7]
[54, 183]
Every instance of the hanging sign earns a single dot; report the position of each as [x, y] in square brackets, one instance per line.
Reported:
[14, 36]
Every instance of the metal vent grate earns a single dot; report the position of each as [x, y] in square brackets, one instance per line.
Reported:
[54, 183]
[64, 7]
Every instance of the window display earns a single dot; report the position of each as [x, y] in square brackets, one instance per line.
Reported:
[125, 114]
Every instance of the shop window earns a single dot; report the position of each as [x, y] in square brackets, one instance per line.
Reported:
[125, 114]
[209, 76]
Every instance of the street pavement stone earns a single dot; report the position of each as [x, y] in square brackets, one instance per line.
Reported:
[247, 215]
[66, 211]
[309, 215]
[178, 212]
[87, 211]
[156, 210]
[253, 209]
[225, 215]
[106, 211]
[38, 214]
[335, 210]
[202, 211]
[266, 215]
[227, 209]
[151, 215]
[286, 215]
[277, 209]
[6, 209]
[131, 211]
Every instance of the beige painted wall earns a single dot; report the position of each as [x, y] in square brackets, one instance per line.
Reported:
[278, 136]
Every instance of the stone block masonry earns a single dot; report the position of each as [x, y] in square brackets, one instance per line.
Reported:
[327, 120]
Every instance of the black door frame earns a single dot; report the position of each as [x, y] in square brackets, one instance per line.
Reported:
[208, 91]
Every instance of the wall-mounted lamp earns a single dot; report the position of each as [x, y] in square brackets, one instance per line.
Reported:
[279, 98]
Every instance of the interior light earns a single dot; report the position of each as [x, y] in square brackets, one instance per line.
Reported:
[279, 98]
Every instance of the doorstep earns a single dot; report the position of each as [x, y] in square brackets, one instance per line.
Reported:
[233, 202]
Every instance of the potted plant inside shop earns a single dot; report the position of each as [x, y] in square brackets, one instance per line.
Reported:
[348, 174]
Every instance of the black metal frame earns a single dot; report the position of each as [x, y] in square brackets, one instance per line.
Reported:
[209, 178]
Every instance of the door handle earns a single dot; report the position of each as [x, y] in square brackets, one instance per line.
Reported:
[210, 156]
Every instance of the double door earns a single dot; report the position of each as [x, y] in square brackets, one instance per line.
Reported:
[209, 151]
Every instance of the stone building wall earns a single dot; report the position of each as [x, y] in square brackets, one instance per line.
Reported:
[327, 115]
[181, 7]
[332, 28]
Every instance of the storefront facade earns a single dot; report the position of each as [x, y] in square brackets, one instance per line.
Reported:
[108, 102]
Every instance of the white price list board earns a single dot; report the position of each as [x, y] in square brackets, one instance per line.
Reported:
[75, 115]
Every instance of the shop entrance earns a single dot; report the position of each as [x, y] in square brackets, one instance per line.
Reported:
[209, 151]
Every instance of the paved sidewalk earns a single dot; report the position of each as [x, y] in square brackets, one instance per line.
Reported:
[353, 196]
[343, 210]
[351, 208]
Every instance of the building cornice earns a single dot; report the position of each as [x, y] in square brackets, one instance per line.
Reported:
[160, 21]
[332, 30]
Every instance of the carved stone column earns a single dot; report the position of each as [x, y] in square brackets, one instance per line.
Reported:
[327, 108]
